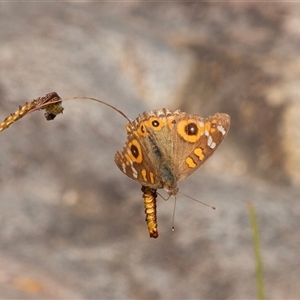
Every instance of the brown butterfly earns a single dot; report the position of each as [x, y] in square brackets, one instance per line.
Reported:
[164, 147]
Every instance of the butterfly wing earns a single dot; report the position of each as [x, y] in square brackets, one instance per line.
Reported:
[137, 159]
[196, 139]
[166, 146]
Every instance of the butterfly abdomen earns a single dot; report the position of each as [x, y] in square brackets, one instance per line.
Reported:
[149, 196]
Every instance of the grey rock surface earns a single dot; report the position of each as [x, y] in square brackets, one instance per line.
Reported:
[72, 225]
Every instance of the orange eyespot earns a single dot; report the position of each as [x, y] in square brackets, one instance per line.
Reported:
[135, 152]
[189, 130]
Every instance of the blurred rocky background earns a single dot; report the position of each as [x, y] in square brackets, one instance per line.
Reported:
[72, 225]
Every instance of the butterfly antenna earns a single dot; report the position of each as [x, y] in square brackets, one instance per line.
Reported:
[84, 98]
[212, 207]
[166, 199]
[102, 102]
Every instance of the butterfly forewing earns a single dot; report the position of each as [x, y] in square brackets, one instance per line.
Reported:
[199, 138]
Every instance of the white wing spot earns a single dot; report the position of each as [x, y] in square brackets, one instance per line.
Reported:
[221, 129]
[134, 171]
[210, 143]
[124, 167]
[213, 145]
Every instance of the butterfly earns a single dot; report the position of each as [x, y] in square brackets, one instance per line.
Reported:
[164, 147]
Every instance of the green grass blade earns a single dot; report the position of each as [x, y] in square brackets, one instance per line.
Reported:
[256, 245]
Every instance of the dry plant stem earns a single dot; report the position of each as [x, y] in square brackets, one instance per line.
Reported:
[46, 102]
[150, 196]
